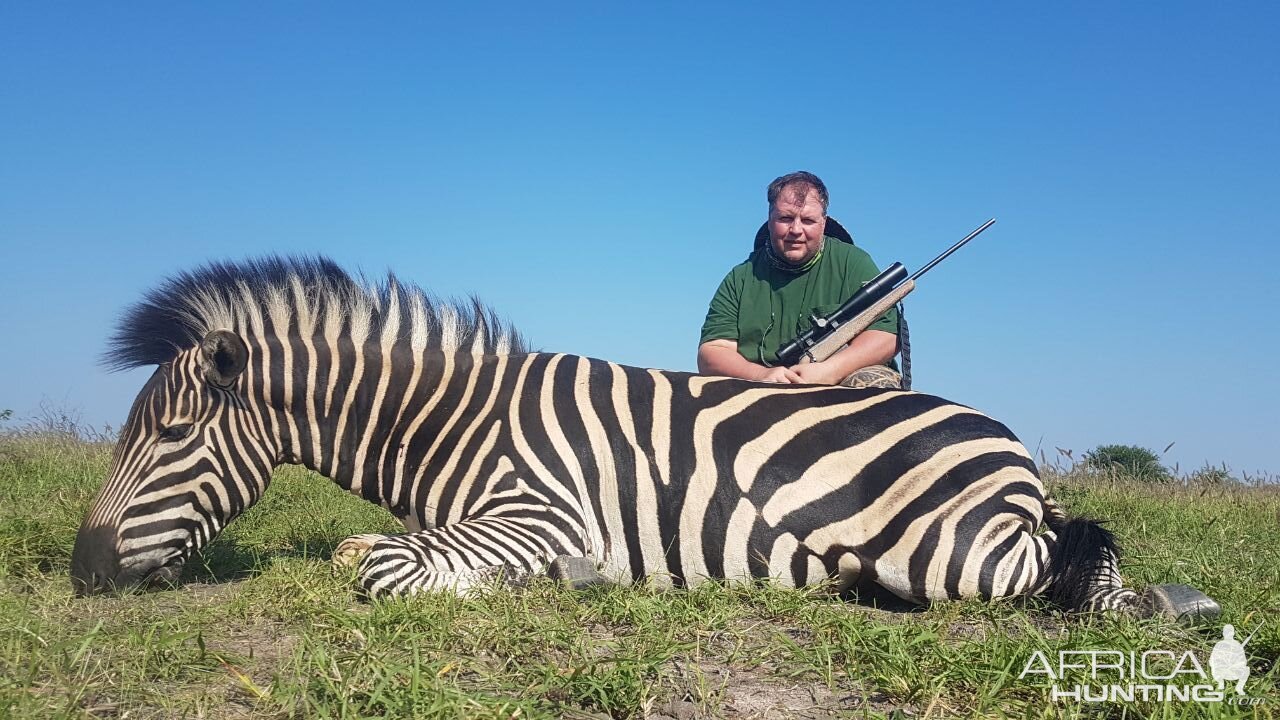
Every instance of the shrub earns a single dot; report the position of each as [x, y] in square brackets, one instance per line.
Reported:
[1128, 461]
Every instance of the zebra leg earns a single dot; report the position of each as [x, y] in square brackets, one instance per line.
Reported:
[459, 557]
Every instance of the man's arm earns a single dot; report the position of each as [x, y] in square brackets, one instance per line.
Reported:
[717, 354]
[870, 347]
[720, 357]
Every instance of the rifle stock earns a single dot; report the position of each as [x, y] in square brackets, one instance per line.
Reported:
[844, 334]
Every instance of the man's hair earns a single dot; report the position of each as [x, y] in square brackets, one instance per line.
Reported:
[800, 183]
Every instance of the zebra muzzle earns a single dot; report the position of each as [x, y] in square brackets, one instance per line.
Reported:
[96, 567]
[94, 563]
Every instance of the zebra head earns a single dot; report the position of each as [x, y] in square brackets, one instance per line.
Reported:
[189, 460]
[257, 363]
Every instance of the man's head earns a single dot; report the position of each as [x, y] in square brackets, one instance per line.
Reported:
[797, 216]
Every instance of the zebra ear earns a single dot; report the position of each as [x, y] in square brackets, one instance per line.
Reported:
[225, 356]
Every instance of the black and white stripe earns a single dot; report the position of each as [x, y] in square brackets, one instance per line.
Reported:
[498, 460]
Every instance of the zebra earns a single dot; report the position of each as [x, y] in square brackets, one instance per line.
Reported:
[498, 460]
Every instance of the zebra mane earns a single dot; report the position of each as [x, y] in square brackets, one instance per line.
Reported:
[307, 295]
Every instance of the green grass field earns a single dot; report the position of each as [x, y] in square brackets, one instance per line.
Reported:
[263, 628]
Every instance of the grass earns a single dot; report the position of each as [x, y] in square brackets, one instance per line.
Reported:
[263, 628]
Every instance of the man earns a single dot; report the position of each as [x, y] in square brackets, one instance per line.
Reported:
[774, 295]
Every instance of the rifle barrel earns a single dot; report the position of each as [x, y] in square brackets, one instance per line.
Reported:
[953, 248]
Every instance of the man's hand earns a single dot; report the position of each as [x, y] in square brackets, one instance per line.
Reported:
[872, 347]
[780, 375]
[821, 373]
[720, 357]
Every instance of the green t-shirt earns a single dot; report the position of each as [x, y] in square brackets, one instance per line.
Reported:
[762, 307]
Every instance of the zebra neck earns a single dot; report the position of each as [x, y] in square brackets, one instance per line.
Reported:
[374, 421]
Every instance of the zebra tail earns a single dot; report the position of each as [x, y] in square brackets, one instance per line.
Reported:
[1081, 562]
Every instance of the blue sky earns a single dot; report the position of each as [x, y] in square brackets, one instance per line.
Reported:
[592, 171]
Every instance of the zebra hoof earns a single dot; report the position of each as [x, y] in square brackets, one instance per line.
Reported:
[351, 551]
[1181, 602]
[575, 572]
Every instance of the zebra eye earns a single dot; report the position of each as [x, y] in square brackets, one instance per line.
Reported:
[175, 432]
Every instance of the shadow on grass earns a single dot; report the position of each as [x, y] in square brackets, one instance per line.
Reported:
[229, 561]
[874, 597]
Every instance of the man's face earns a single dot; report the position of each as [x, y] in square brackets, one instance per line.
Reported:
[796, 224]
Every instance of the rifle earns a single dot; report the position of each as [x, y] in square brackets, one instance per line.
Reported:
[874, 299]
